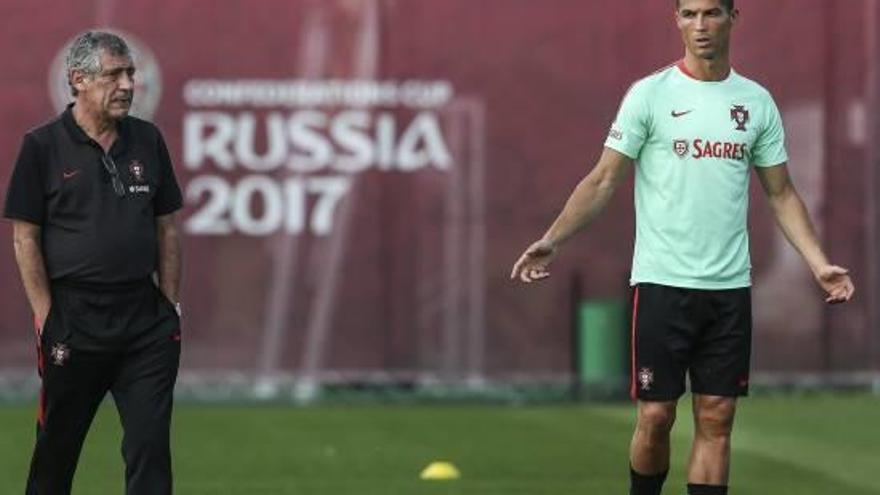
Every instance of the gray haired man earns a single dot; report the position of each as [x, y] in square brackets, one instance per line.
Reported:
[92, 200]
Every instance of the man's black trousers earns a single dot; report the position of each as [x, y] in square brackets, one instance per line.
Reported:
[124, 340]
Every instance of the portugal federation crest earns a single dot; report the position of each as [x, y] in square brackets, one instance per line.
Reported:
[60, 353]
[740, 115]
[646, 378]
[137, 170]
[681, 147]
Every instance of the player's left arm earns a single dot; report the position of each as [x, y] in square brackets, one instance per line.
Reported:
[793, 219]
[169, 256]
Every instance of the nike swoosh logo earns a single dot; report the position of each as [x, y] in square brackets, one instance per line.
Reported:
[676, 115]
[68, 174]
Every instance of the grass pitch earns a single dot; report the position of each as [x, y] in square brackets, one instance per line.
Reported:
[813, 445]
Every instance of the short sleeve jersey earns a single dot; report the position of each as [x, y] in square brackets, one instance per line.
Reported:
[91, 231]
[694, 143]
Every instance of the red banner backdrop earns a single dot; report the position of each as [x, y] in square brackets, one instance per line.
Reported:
[360, 175]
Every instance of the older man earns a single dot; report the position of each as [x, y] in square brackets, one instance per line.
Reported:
[92, 200]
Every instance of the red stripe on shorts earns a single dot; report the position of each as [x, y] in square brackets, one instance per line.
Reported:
[632, 345]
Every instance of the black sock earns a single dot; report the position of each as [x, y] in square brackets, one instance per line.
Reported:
[706, 489]
[640, 484]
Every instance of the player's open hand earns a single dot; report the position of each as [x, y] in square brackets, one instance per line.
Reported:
[532, 265]
[836, 283]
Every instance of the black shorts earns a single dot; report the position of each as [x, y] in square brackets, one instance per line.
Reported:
[706, 333]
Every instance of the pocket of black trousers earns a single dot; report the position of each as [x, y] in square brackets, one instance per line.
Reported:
[55, 328]
[43, 329]
[163, 300]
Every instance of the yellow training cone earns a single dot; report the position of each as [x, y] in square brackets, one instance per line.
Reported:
[439, 470]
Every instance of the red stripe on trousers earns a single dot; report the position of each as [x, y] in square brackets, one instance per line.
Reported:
[41, 408]
[632, 345]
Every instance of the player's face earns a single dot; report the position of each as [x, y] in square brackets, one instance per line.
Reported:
[109, 93]
[705, 27]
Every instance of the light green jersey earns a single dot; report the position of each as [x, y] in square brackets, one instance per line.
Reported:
[694, 142]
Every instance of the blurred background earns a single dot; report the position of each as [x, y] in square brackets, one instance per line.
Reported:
[360, 175]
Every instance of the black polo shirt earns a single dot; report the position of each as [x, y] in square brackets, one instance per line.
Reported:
[91, 234]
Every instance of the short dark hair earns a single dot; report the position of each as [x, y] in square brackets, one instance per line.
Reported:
[728, 4]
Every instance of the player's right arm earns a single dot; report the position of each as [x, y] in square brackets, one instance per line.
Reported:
[623, 146]
[25, 206]
[586, 201]
[29, 256]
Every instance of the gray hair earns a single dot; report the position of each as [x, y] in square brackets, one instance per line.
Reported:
[85, 53]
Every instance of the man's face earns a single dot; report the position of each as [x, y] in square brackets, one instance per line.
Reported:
[108, 93]
[705, 27]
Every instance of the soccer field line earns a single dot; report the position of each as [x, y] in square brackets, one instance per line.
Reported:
[858, 473]
[779, 447]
